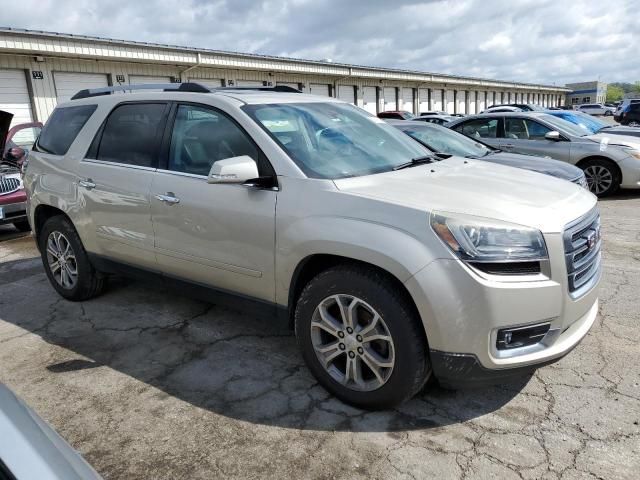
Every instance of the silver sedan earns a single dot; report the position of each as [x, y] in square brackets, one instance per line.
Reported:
[609, 161]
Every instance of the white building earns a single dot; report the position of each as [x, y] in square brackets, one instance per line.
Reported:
[39, 69]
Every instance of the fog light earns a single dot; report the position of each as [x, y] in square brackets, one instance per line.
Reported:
[518, 337]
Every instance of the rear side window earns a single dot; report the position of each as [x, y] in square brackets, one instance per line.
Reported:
[132, 134]
[63, 127]
[481, 128]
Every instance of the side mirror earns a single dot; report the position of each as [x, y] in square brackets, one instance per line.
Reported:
[233, 170]
[553, 135]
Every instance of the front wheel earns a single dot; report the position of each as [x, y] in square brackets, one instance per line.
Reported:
[603, 177]
[66, 262]
[608, 113]
[361, 338]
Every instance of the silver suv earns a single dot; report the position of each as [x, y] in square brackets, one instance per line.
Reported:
[391, 266]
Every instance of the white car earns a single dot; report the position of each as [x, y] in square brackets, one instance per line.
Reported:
[391, 264]
[596, 109]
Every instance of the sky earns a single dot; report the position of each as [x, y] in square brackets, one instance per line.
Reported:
[539, 41]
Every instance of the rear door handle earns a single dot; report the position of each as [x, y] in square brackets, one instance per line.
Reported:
[88, 184]
[168, 198]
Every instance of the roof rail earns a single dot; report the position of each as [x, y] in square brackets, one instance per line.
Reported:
[167, 87]
[277, 88]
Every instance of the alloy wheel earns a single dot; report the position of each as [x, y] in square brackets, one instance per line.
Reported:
[352, 342]
[599, 178]
[634, 123]
[62, 260]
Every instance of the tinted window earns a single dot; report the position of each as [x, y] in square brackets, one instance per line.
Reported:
[481, 128]
[131, 134]
[522, 129]
[62, 128]
[202, 136]
[443, 140]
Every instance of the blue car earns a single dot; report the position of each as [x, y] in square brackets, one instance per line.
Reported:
[592, 124]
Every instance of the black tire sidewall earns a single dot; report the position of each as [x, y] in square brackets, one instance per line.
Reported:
[411, 356]
[85, 270]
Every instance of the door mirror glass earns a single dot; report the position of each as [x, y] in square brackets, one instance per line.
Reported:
[553, 135]
[233, 170]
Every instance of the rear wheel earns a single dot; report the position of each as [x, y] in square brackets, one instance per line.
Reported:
[361, 338]
[22, 225]
[602, 176]
[66, 262]
[634, 123]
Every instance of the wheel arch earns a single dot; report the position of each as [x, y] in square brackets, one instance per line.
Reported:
[41, 214]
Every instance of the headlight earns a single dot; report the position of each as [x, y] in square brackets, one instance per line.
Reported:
[475, 239]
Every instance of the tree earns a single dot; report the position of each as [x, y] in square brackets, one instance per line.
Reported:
[614, 93]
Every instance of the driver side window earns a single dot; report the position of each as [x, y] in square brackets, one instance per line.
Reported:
[202, 136]
[523, 129]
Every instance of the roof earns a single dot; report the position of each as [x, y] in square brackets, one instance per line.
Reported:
[218, 57]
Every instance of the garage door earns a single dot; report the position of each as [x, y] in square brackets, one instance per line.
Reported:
[14, 98]
[370, 100]
[208, 82]
[472, 100]
[390, 103]
[144, 79]
[249, 83]
[436, 99]
[482, 101]
[449, 100]
[68, 84]
[347, 93]
[407, 99]
[321, 89]
[423, 95]
[461, 98]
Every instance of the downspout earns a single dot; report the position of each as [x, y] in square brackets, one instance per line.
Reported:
[183, 76]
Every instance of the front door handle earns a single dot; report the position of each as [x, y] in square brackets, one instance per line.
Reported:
[508, 145]
[168, 198]
[88, 184]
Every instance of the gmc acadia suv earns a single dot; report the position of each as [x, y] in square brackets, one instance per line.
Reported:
[390, 265]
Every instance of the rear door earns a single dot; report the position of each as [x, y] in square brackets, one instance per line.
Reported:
[220, 235]
[527, 136]
[114, 181]
[486, 129]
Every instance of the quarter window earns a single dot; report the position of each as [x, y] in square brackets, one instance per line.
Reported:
[63, 127]
[522, 129]
[202, 136]
[482, 128]
[132, 134]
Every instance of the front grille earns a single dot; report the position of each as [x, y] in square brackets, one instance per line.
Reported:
[582, 245]
[8, 185]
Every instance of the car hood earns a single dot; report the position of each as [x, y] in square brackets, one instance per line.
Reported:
[5, 123]
[622, 130]
[479, 188]
[605, 140]
[547, 166]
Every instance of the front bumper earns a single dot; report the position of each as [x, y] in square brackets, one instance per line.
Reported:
[13, 207]
[630, 168]
[462, 311]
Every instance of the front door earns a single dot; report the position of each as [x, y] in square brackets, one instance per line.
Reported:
[114, 182]
[221, 235]
[526, 136]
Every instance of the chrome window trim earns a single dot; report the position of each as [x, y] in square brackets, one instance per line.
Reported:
[119, 164]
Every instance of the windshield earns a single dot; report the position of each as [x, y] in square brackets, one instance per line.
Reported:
[591, 124]
[443, 140]
[564, 125]
[335, 140]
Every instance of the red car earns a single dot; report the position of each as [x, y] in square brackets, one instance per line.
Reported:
[13, 143]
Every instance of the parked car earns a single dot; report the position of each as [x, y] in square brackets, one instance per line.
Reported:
[31, 449]
[433, 112]
[398, 115]
[12, 195]
[523, 107]
[630, 116]
[442, 140]
[622, 105]
[501, 109]
[596, 109]
[609, 162]
[437, 119]
[390, 265]
[595, 125]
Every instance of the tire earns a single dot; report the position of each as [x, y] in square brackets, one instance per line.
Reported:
[607, 113]
[88, 282]
[603, 176]
[633, 123]
[22, 226]
[370, 291]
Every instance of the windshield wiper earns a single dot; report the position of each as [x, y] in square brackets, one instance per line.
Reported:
[414, 162]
